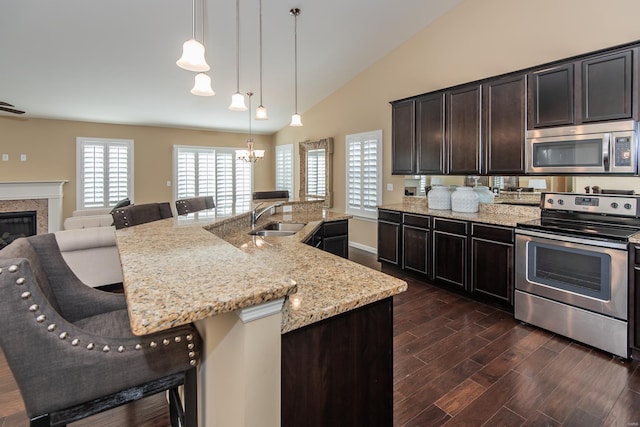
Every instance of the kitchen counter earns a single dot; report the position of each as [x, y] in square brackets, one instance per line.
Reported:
[496, 213]
[184, 269]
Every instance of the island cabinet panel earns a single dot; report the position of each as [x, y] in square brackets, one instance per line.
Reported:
[339, 371]
[463, 129]
[634, 299]
[450, 252]
[430, 134]
[504, 112]
[389, 237]
[403, 147]
[331, 237]
[416, 244]
[492, 261]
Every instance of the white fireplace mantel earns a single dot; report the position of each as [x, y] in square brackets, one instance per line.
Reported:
[29, 190]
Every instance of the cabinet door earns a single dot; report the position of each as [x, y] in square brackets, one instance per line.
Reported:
[492, 269]
[634, 319]
[403, 147]
[430, 135]
[463, 129]
[606, 87]
[389, 242]
[552, 96]
[338, 245]
[504, 125]
[450, 258]
[415, 249]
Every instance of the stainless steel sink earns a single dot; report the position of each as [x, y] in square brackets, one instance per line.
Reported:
[278, 229]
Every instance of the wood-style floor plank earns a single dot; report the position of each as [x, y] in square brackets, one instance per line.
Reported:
[457, 363]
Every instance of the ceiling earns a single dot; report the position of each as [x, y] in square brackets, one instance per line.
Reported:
[114, 61]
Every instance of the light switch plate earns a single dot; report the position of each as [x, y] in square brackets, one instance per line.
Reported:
[5, 157]
[23, 157]
[389, 187]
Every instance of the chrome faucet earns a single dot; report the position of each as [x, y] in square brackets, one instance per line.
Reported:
[255, 214]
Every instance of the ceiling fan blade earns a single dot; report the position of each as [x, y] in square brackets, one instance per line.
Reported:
[6, 104]
[11, 110]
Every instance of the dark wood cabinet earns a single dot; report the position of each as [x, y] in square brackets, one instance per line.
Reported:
[504, 112]
[593, 89]
[403, 145]
[430, 134]
[607, 87]
[634, 299]
[333, 237]
[551, 96]
[339, 371]
[416, 243]
[450, 252]
[463, 116]
[492, 259]
[389, 237]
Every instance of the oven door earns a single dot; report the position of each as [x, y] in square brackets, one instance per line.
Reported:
[583, 273]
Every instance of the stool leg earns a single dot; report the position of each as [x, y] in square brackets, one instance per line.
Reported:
[191, 398]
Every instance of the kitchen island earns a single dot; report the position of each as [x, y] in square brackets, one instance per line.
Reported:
[243, 292]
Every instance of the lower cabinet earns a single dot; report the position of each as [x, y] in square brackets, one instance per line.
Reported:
[634, 299]
[416, 243]
[492, 261]
[339, 371]
[389, 237]
[450, 252]
[332, 237]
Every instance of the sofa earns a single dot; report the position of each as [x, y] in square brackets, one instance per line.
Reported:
[88, 218]
[92, 254]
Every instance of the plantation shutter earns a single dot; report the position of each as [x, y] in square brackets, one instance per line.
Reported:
[363, 173]
[316, 172]
[284, 168]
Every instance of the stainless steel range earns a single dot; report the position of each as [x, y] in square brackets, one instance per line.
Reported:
[572, 267]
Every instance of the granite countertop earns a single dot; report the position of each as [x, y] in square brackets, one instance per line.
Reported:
[184, 269]
[496, 214]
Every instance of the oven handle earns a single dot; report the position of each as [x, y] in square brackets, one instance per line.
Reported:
[563, 238]
[606, 152]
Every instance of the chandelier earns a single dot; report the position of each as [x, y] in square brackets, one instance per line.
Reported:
[250, 155]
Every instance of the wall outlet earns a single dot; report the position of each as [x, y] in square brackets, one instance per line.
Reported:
[23, 157]
[5, 157]
[168, 183]
[389, 187]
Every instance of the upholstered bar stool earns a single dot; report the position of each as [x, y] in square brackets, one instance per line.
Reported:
[194, 204]
[129, 216]
[70, 346]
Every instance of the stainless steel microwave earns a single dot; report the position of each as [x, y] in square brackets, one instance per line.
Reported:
[587, 149]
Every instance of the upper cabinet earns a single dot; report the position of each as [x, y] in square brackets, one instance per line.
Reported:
[430, 135]
[463, 120]
[403, 139]
[596, 88]
[504, 112]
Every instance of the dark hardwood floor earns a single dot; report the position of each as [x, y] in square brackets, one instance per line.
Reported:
[457, 362]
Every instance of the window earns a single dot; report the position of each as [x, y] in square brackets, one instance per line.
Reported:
[284, 168]
[364, 177]
[208, 171]
[104, 172]
[422, 185]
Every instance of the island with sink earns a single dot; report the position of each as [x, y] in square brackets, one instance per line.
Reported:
[291, 333]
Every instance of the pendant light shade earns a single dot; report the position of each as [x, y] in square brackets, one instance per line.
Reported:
[202, 86]
[192, 58]
[261, 113]
[295, 119]
[237, 100]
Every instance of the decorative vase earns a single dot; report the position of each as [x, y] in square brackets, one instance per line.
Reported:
[464, 199]
[484, 194]
[439, 198]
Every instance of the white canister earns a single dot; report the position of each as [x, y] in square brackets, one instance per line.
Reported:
[464, 199]
[484, 194]
[439, 198]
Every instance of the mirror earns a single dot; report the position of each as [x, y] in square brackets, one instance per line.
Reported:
[316, 170]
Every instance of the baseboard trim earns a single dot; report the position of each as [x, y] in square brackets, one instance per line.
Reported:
[363, 247]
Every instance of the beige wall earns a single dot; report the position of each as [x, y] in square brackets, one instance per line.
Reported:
[477, 39]
[50, 146]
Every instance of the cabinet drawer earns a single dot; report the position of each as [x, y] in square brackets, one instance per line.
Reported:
[417, 220]
[489, 232]
[336, 228]
[390, 216]
[450, 226]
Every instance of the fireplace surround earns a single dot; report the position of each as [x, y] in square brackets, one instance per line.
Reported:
[44, 197]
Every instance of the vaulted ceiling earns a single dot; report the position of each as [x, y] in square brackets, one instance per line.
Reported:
[114, 61]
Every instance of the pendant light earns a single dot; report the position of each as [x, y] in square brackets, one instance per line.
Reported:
[202, 84]
[237, 100]
[250, 155]
[295, 118]
[261, 111]
[192, 58]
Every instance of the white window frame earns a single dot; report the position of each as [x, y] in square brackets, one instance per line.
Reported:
[214, 150]
[285, 150]
[364, 211]
[81, 141]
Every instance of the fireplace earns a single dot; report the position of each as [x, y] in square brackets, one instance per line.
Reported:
[16, 224]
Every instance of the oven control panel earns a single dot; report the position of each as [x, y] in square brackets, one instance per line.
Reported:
[606, 204]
